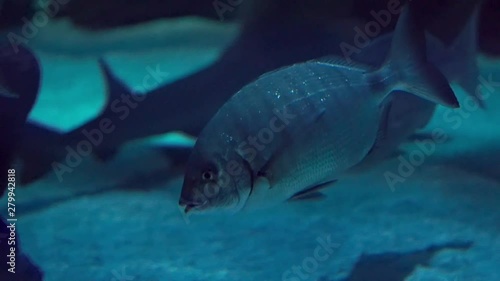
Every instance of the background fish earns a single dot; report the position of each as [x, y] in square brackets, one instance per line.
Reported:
[330, 113]
[19, 84]
[78, 227]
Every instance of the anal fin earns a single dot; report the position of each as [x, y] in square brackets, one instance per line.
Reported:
[311, 193]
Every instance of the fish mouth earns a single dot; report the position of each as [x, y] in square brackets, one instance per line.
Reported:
[190, 206]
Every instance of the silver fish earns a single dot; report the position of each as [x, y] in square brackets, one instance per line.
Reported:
[300, 127]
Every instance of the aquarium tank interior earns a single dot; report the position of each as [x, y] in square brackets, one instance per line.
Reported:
[249, 140]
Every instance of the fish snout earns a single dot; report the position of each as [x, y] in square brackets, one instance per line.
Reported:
[189, 204]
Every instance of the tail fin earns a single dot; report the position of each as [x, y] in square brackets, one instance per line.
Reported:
[408, 62]
[37, 157]
[452, 41]
[19, 85]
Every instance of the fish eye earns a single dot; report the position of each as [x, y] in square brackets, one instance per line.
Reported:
[208, 175]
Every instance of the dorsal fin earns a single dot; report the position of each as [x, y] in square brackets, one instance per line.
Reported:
[115, 86]
[311, 192]
[340, 61]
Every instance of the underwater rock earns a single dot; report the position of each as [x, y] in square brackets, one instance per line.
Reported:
[397, 266]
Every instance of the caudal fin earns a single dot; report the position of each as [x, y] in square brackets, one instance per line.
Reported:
[464, 52]
[408, 62]
[452, 44]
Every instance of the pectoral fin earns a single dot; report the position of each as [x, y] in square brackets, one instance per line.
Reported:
[6, 94]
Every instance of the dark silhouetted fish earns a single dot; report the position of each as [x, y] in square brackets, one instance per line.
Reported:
[19, 85]
[13, 11]
[95, 14]
[236, 68]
